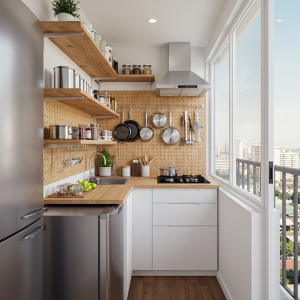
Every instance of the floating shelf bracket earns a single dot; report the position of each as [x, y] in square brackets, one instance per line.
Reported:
[61, 98]
[98, 80]
[57, 34]
[150, 84]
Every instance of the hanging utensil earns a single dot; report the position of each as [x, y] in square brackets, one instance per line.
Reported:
[197, 126]
[114, 166]
[159, 120]
[146, 132]
[182, 132]
[57, 165]
[190, 124]
[135, 129]
[185, 125]
[122, 131]
[170, 135]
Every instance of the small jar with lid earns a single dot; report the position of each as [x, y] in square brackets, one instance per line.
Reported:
[126, 69]
[105, 96]
[136, 69]
[126, 171]
[147, 69]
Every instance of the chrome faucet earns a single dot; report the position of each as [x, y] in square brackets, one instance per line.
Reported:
[91, 174]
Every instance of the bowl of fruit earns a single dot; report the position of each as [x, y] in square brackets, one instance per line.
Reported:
[88, 185]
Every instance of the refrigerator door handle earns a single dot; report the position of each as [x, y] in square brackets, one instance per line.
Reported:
[34, 232]
[35, 212]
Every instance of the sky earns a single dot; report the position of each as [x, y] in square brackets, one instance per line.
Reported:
[286, 82]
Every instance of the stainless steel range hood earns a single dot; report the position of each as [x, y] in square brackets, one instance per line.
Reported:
[180, 81]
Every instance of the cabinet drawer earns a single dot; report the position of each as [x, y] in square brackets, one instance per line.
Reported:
[185, 248]
[182, 195]
[184, 214]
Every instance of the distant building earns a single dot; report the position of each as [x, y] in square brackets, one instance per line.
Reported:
[285, 158]
[256, 152]
[222, 166]
[239, 147]
[218, 151]
[226, 146]
[247, 153]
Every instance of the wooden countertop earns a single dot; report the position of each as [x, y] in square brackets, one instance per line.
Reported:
[117, 194]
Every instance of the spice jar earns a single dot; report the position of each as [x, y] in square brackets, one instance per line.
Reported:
[112, 103]
[105, 96]
[88, 132]
[126, 171]
[147, 69]
[136, 69]
[108, 101]
[126, 69]
[116, 66]
[95, 131]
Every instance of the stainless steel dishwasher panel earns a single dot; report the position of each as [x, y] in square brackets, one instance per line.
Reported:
[112, 222]
[71, 254]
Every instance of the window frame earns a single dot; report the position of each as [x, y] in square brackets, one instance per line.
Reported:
[230, 37]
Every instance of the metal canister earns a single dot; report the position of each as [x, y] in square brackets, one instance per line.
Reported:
[83, 84]
[64, 77]
[77, 81]
[61, 132]
[95, 131]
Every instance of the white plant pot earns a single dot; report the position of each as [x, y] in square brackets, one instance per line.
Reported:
[65, 17]
[105, 171]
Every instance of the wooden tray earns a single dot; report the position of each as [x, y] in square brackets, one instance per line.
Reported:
[71, 196]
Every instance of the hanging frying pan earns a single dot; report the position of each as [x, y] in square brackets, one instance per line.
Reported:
[146, 132]
[122, 132]
[170, 135]
[159, 120]
[135, 129]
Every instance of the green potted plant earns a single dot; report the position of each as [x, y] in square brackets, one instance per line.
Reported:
[66, 10]
[105, 169]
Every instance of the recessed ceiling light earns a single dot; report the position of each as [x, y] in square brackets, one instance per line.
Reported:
[279, 20]
[151, 20]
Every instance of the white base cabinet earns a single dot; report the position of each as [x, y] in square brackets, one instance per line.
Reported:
[142, 229]
[185, 248]
[175, 230]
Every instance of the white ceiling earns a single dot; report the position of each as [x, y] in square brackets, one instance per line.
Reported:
[122, 23]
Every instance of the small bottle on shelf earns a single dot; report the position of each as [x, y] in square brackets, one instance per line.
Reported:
[88, 132]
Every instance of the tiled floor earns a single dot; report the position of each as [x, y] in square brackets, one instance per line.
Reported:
[175, 288]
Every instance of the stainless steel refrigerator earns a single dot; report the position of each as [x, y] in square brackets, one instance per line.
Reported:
[21, 153]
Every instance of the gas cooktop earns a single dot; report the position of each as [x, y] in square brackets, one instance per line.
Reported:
[182, 179]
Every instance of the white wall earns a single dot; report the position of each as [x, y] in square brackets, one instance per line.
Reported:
[158, 57]
[221, 28]
[240, 256]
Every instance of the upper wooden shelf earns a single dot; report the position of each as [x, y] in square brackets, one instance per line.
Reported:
[79, 142]
[87, 104]
[82, 49]
[131, 78]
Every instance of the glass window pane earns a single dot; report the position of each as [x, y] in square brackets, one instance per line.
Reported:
[248, 100]
[286, 123]
[221, 101]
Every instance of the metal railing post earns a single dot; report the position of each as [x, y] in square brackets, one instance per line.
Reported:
[243, 175]
[237, 173]
[248, 177]
[254, 179]
[296, 236]
[283, 229]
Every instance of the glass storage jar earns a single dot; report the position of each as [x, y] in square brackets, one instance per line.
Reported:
[147, 69]
[136, 70]
[126, 69]
[105, 97]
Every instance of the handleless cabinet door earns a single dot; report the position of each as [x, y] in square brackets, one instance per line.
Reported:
[21, 264]
[142, 229]
[185, 248]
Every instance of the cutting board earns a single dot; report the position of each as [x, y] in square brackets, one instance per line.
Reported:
[85, 194]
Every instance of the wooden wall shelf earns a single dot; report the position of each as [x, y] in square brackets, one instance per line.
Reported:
[79, 142]
[87, 104]
[131, 78]
[82, 49]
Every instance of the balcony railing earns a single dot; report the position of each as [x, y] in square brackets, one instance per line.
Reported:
[295, 174]
[254, 180]
[240, 176]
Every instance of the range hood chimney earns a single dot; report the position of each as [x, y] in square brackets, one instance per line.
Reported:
[180, 81]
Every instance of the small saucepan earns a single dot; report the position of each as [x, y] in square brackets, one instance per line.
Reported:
[159, 120]
[168, 171]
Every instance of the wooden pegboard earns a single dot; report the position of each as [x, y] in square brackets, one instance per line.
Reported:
[190, 158]
[58, 113]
